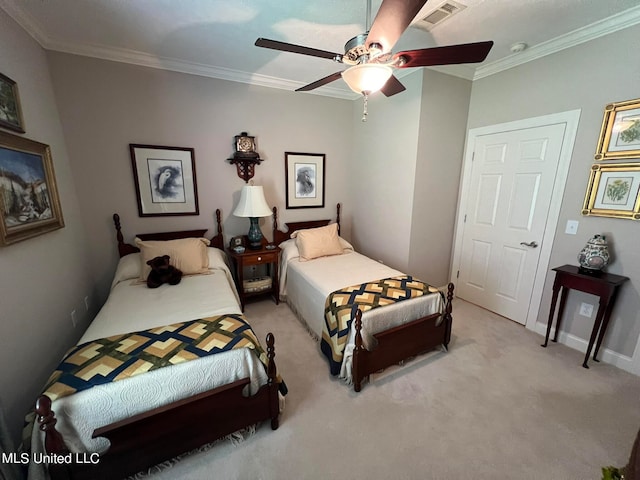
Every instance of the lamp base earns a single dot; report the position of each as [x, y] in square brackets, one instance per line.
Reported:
[255, 235]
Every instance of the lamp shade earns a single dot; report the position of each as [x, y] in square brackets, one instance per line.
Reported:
[252, 203]
[367, 77]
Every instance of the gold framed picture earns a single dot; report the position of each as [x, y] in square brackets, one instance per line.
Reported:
[613, 191]
[620, 132]
[29, 201]
[10, 111]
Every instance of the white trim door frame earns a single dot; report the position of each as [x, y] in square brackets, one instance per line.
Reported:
[570, 119]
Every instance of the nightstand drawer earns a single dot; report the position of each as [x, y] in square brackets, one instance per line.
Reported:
[259, 258]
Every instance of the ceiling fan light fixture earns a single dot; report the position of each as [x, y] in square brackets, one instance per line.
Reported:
[367, 77]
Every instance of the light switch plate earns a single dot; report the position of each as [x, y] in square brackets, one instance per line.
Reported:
[572, 227]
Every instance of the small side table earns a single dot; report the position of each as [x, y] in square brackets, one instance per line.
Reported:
[264, 256]
[605, 286]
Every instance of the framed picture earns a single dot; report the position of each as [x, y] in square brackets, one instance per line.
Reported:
[620, 133]
[29, 202]
[238, 241]
[304, 178]
[165, 179]
[613, 191]
[10, 112]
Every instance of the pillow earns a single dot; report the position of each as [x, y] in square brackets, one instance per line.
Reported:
[318, 242]
[187, 254]
[128, 268]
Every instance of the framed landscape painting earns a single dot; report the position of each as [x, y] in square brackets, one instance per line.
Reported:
[165, 180]
[304, 179]
[10, 112]
[29, 202]
[613, 191]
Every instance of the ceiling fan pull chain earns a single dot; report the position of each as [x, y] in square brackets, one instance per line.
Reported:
[365, 113]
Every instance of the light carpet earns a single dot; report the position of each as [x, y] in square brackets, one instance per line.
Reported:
[497, 405]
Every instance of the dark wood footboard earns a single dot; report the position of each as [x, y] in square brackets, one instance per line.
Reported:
[142, 441]
[401, 342]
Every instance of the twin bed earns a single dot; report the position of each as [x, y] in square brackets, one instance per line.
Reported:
[145, 419]
[371, 338]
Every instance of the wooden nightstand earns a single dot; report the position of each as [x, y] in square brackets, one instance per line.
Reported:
[264, 256]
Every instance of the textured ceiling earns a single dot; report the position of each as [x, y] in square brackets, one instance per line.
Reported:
[216, 38]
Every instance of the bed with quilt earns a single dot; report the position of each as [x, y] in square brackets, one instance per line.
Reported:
[365, 315]
[160, 371]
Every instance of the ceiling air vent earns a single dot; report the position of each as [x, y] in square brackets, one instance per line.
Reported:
[440, 14]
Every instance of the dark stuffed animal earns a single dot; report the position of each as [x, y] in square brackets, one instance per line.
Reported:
[162, 272]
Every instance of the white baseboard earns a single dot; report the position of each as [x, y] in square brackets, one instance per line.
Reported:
[606, 356]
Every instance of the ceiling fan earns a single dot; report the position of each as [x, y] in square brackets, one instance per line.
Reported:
[370, 56]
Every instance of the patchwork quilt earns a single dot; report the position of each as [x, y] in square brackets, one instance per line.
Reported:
[123, 356]
[341, 306]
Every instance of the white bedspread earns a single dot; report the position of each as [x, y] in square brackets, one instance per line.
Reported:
[306, 285]
[132, 306]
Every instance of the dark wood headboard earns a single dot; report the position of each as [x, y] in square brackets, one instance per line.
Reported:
[126, 248]
[280, 236]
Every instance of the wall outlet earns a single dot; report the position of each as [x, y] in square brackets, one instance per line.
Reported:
[74, 320]
[586, 309]
[86, 303]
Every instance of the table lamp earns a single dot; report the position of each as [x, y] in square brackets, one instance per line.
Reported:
[253, 205]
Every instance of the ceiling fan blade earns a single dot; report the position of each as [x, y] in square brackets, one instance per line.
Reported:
[290, 47]
[453, 54]
[392, 19]
[319, 83]
[392, 87]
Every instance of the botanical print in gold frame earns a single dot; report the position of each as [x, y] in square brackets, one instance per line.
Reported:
[620, 132]
[29, 202]
[613, 191]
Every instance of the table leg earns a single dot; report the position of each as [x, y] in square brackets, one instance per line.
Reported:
[276, 283]
[554, 299]
[596, 327]
[240, 274]
[563, 302]
[605, 323]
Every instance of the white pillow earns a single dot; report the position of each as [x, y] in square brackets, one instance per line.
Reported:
[128, 268]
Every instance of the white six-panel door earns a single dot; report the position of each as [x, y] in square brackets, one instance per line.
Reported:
[507, 204]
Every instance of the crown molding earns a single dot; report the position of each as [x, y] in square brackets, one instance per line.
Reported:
[598, 29]
[26, 21]
[166, 63]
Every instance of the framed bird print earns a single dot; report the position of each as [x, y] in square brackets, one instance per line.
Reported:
[165, 180]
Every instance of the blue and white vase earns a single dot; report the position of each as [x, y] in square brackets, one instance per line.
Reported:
[595, 254]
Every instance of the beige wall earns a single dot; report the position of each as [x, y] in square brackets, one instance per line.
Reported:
[44, 278]
[585, 77]
[382, 172]
[105, 106]
[443, 120]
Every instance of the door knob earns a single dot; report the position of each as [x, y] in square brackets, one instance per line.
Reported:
[530, 244]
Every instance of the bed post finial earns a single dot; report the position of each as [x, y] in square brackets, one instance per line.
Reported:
[53, 442]
[357, 380]
[116, 221]
[275, 222]
[447, 314]
[338, 217]
[218, 221]
[272, 374]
